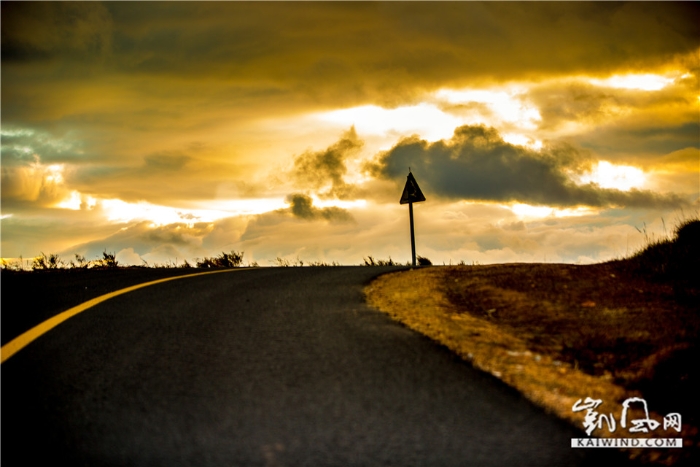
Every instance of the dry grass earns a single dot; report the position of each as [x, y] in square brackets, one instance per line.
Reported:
[560, 333]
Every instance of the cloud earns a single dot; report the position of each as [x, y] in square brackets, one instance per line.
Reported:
[627, 125]
[128, 257]
[291, 54]
[43, 31]
[127, 170]
[302, 207]
[641, 142]
[152, 243]
[174, 73]
[32, 183]
[476, 164]
[316, 170]
[445, 231]
[21, 146]
[166, 162]
[561, 103]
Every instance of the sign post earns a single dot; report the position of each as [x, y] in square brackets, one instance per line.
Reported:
[411, 194]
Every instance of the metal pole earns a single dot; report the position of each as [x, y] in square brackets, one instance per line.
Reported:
[413, 238]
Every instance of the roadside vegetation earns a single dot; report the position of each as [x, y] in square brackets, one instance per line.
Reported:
[225, 260]
[233, 259]
[370, 261]
[45, 262]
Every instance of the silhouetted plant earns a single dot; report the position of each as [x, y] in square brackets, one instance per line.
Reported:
[422, 261]
[323, 264]
[370, 261]
[108, 260]
[53, 261]
[281, 262]
[206, 263]
[11, 265]
[225, 260]
[81, 262]
[230, 260]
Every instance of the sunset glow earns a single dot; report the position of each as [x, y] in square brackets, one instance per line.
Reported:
[288, 128]
[505, 105]
[618, 177]
[525, 211]
[424, 119]
[644, 82]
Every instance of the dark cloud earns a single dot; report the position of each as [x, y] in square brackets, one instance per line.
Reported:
[643, 140]
[128, 78]
[170, 235]
[301, 206]
[43, 31]
[567, 102]
[345, 53]
[316, 170]
[476, 164]
[166, 162]
[390, 47]
[628, 125]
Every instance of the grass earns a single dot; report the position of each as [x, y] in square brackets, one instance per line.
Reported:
[54, 261]
[45, 262]
[370, 261]
[674, 261]
[559, 333]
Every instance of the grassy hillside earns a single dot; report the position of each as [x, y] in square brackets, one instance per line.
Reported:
[562, 332]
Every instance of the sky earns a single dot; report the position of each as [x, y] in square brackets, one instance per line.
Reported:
[170, 131]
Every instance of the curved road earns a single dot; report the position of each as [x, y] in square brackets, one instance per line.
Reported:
[262, 367]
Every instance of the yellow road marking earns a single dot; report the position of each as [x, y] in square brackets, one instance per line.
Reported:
[21, 341]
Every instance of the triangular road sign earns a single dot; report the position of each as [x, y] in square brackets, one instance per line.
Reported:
[411, 192]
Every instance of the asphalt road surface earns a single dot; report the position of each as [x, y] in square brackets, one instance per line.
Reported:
[263, 367]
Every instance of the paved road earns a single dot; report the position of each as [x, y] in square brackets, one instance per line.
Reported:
[269, 366]
[31, 297]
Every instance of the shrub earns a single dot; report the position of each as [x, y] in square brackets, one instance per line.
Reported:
[422, 261]
[53, 261]
[82, 263]
[225, 260]
[108, 260]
